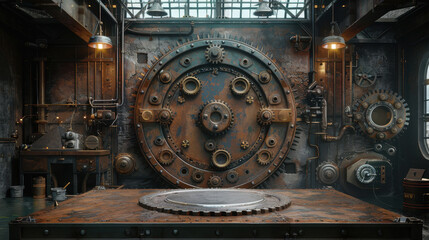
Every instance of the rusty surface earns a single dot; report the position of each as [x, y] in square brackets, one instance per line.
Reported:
[121, 206]
[206, 109]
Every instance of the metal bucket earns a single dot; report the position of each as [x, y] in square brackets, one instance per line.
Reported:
[16, 191]
[39, 187]
[416, 197]
[58, 194]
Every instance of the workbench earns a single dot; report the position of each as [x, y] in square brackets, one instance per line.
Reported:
[312, 214]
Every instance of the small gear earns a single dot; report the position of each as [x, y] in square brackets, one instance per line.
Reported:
[232, 176]
[197, 176]
[265, 116]
[166, 157]
[215, 181]
[215, 54]
[190, 85]
[216, 117]
[210, 145]
[165, 116]
[263, 157]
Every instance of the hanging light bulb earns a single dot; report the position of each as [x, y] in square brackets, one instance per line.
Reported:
[333, 41]
[99, 41]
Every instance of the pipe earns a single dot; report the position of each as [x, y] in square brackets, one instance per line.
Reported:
[153, 33]
[324, 125]
[41, 91]
[329, 138]
[313, 45]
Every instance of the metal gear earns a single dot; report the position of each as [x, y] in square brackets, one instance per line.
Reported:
[165, 116]
[381, 114]
[265, 116]
[215, 202]
[263, 157]
[197, 176]
[232, 176]
[215, 54]
[216, 117]
[190, 85]
[166, 157]
[215, 181]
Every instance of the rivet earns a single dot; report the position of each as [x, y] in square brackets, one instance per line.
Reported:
[217, 232]
[207, 41]
[138, 125]
[46, 232]
[141, 91]
[253, 183]
[292, 126]
[238, 45]
[82, 232]
[160, 63]
[269, 171]
[177, 51]
[269, 63]
[287, 91]
[192, 45]
[175, 231]
[177, 182]
[147, 232]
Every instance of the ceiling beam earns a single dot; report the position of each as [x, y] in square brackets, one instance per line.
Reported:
[367, 12]
[76, 17]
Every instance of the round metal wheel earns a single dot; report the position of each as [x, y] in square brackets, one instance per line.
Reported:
[225, 110]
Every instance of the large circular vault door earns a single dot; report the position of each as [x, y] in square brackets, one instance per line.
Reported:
[215, 113]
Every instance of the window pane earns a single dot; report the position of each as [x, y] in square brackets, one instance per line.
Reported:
[427, 129]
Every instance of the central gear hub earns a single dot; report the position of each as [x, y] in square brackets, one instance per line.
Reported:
[216, 117]
[214, 54]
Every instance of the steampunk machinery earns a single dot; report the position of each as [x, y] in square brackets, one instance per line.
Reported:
[215, 113]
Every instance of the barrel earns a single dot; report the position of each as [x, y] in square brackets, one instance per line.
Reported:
[16, 191]
[416, 197]
[39, 187]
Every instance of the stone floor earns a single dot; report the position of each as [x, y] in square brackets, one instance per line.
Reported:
[11, 208]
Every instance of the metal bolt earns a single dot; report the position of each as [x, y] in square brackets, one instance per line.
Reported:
[192, 45]
[175, 232]
[138, 125]
[370, 130]
[394, 130]
[381, 135]
[82, 232]
[365, 105]
[238, 45]
[399, 120]
[382, 97]
[141, 91]
[225, 116]
[215, 127]
[358, 116]
[205, 116]
[223, 41]
[269, 63]
[46, 232]
[292, 126]
[177, 51]
[216, 108]
[252, 51]
[160, 63]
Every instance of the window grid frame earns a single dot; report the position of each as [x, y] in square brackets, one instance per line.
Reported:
[301, 9]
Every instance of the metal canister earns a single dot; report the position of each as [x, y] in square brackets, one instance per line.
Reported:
[416, 197]
[39, 187]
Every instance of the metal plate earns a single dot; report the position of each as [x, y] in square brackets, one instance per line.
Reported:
[214, 202]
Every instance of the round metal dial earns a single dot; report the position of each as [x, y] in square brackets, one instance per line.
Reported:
[214, 109]
[215, 202]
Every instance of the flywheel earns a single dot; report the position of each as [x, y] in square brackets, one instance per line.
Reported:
[205, 110]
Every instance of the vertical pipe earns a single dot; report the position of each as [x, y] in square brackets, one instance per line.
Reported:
[343, 90]
[313, 44]
[41, 92]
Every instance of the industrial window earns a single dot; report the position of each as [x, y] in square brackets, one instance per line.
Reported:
[233, 9]
[424, 123]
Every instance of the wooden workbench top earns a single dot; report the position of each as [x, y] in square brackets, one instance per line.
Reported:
[121, 206]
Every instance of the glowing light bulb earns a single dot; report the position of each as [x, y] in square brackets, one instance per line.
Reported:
[100, 46]
[333, 46]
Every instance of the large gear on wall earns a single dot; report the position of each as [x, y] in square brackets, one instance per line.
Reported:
[381, 114]
[220, 136]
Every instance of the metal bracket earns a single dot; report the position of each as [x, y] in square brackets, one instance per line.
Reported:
[26, 219]
[282, 115]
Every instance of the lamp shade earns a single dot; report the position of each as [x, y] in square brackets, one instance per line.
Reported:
[333, 42]
[100, 42]
[263, 10]
[156, 10]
